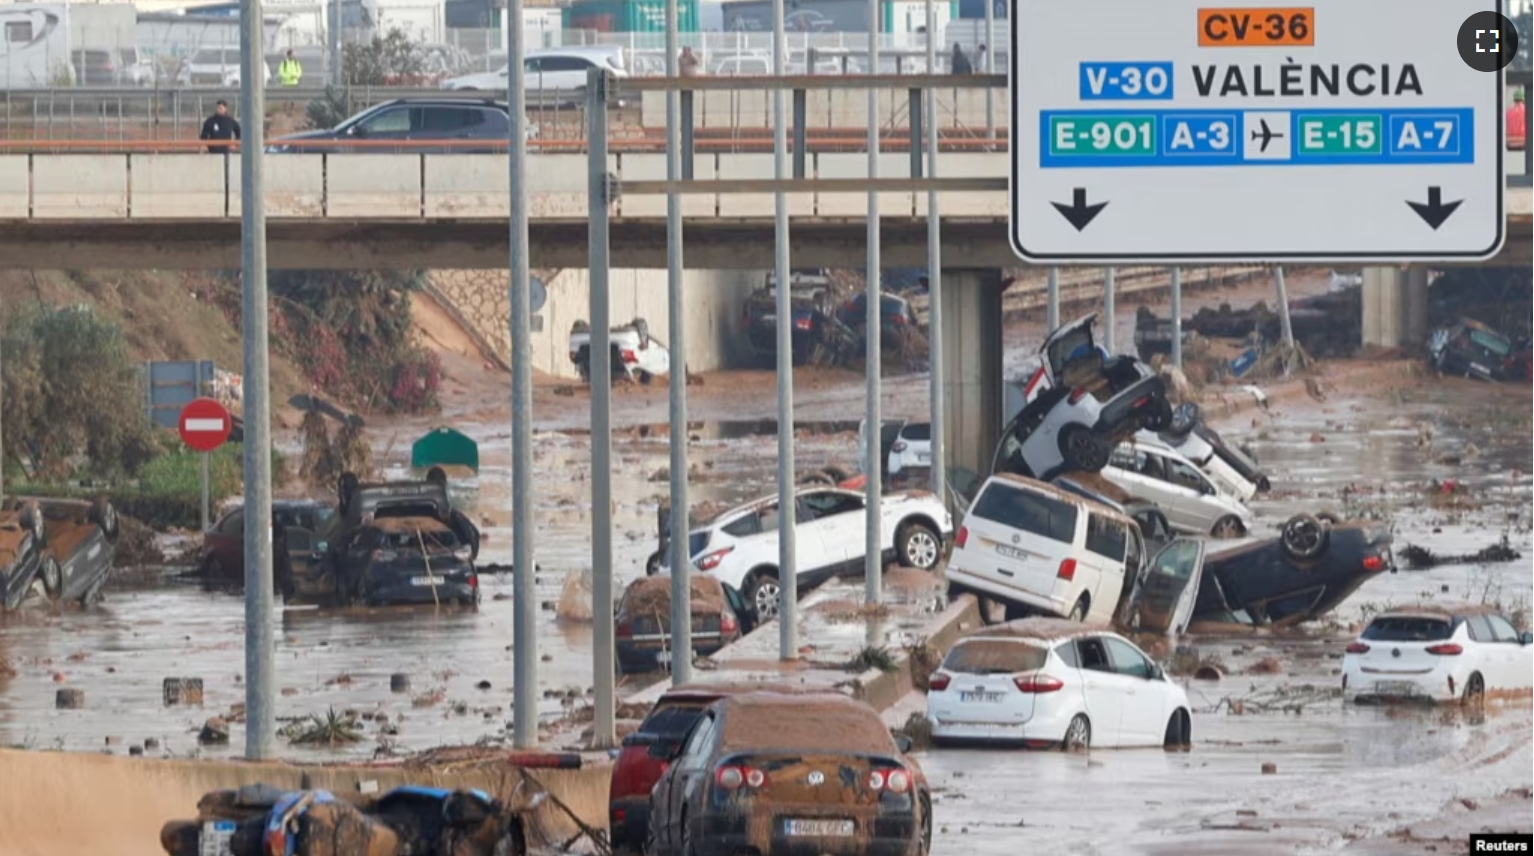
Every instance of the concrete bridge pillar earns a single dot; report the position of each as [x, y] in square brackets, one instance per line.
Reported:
[1394, 307]
[972, 363]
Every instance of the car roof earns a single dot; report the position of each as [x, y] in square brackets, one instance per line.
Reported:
[730, 514]
[1061, 494]
[1041, 629]
[713, 692]
[1438, 610]
[438, 101]
[577, 50]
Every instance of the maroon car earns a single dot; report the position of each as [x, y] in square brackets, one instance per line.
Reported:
[300, 527]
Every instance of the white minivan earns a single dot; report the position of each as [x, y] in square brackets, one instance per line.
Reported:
[1043, 550]
[1154, 472]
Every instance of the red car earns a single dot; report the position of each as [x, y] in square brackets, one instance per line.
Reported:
[643, 758]
[304, 525]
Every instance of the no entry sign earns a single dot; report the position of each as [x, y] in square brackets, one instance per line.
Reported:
[204, 424]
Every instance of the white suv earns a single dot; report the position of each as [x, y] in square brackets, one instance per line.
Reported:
[1153, 472]
[1043, 550]
[740, 546]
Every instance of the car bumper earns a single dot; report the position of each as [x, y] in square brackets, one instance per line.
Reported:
[1383, 689]
[990, 588]
[638, 657]
[628, 822]
[884, 833]
[403, 593]
[959, 729]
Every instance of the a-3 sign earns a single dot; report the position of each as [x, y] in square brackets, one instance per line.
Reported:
[1344, 130]
[204, 424]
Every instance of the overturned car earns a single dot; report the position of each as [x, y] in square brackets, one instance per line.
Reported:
[1080, 404]
[66, 545]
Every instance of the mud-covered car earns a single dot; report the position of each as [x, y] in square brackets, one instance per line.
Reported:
[1311, 567]
[775, 773]
[642, 630]
[66, 545]
[1081, 404]
[260, 820]
[1475, 350]
[301, 529]
[401, 543]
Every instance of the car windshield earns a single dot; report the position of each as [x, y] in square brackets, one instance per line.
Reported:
[994, 657]
[1031, 512]
[672, 720]
[1408, 628]
[1491, 342]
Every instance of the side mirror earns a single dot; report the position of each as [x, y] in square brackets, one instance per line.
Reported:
[903, 743]
[1155, 674]
[1526, 638]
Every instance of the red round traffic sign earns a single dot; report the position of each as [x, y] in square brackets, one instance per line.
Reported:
[204, 424]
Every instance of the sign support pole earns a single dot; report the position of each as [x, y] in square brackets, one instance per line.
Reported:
[1110, 296]
[1177, 317]
[873, 557]
[601, 373]
[1286, 328]
[681, 508]
[788, 595]
[205, 491]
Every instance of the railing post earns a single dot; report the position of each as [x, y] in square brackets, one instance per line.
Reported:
[916, 132]
[689, 141]
[801, 118]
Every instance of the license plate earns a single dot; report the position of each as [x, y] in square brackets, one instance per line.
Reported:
[923, 457]
[428, 581]
[1402, 688]
[768, 319]
[1480, 368]
[820, 828]
[1010, 551]
[980, 697]
[215, 837]
[662, 657]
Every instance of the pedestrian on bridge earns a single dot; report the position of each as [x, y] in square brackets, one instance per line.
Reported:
[961, 63]
[220, 129]
[688, 62]
[290, 71]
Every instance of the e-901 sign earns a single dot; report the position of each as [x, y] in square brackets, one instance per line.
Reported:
[1102, 135]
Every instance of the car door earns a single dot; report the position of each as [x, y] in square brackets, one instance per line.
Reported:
[1201, 505]
[391, 123]
[1510, 660]
[1142, 717]
[688, 775]
[1102, 688]
[836, 524]
[1169, 589]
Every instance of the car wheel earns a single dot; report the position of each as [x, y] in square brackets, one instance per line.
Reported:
[105, 517]
[1263, 485]
[1184, 420]
[920, 547]
[1079, 611]
[645, 378]
[32, 521]
[764, 593]
[53, 578]
[1475, 692]
[1229, 526]
[652, 564]
[926, 827]
[1304, 537]
[1078, 735]
[92, 595]
[817, 477]
[1179, 731]
[1082, 450]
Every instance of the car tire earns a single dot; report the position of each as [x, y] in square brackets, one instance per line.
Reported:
[919, 546]
[925, 844]
[1229, 526]
[1184, 419]
[1079, 611]
[92, 595]
[52, 577]
[645, 378]
[763, 592]
[32, 521]
[1078, 735]
[1082, 450]
[1179, 731]
[652, 564]
[1475, 692]
[105, 517]
[1304, 537]
[817, 477]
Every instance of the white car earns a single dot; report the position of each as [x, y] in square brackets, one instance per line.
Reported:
[1048, 684]
[1227, 465]
[635, 354]
[217, 67]
[1081, 403]
[740, 546]
[1439, 653]
[553, 74]
[1151, 471]
[906, 445]
[1040, 549]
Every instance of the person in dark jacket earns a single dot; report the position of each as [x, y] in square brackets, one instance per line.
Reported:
[220, 126]
[961, 64]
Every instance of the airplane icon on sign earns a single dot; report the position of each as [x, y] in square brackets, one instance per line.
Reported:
[1266, 135]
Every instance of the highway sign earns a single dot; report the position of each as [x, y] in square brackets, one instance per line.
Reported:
[1343, 130]
[204, 424]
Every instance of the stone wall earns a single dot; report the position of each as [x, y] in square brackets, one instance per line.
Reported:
[714, 303]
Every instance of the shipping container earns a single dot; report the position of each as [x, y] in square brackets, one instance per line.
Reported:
[976, 9]
[910, 16]
[629, 16]
[799, 16]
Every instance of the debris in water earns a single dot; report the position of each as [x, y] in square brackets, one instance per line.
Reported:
[214, 731]
[69, 699]
[575, 598]
[1421, 558]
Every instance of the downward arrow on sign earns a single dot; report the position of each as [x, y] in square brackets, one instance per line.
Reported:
[1435, 211]
[1079, 213]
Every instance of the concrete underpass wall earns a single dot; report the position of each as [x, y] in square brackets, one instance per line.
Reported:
[715, 300]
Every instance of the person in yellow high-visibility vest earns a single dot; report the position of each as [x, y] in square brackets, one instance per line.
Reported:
[290, 71]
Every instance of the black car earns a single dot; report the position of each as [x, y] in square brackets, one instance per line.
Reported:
[1314, 564]
[816, 333]
[67, 544]
[895, 312]
[402, 542]
[1474, 350]
[416, 125]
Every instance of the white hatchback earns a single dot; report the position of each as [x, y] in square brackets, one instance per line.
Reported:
[1047, 684]
[1438, 653]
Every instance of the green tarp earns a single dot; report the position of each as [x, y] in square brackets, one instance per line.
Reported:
[445, 447]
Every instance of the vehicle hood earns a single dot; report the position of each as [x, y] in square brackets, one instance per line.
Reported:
[1066, 330]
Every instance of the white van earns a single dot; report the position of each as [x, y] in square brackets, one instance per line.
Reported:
[1043, 550]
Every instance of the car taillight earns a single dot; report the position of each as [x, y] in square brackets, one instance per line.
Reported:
[1358, 648]
[894, 781]
[960, 539]
[628, 356]
[899, 446]
[1037, 684]
[939, 681]
[1077, 394]
[1067, 570]
[473, 581]
[712, 560]
[1446, 650]
[898, 320]
[728, 624]
[1374, 563]
[1140, 402]
[384, 555]
[624, 628]
[733, 778]
[802, 323]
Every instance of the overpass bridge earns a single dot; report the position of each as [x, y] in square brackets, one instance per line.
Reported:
[354, 210]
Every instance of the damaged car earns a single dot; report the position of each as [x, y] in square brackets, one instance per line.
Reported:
[1438, 653]
[260, 820]
[1193, 503]
[817, 335]
[301, 530]
[1050, 684]
[400, 543]
[635, 355]
[1474, 350]
[772, 773]
[67, 546]
[1231, 468]
[1081, 403]
[642, 621]
[1304, 573]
